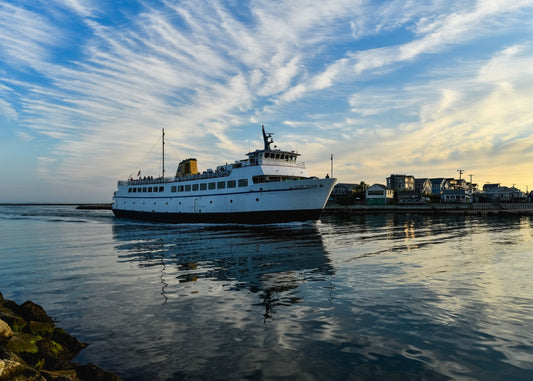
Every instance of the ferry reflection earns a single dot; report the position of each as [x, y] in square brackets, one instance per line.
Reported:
[270, 261]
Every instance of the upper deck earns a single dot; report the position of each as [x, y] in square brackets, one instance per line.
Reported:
[267, 158]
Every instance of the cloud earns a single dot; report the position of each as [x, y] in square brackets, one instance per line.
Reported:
[25, 36]
[83, 8]
[203, 71]
[480, 119]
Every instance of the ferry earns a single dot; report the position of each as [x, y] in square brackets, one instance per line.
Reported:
[269, 186]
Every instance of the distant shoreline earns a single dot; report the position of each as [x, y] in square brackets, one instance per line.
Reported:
[335, 209]
[94, 206]
[433, 209]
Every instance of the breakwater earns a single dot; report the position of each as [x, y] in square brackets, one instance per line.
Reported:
[33, 348]
[480, 209]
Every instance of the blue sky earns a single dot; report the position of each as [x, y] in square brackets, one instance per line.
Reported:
[415, 87]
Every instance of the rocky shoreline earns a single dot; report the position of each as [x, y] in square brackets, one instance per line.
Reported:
[33, 348]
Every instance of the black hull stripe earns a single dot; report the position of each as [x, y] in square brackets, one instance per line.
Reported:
[242, 218]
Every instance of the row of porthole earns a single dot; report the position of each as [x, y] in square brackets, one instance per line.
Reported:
[231, 201]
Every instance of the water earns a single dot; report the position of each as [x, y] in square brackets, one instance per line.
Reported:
[365, 297]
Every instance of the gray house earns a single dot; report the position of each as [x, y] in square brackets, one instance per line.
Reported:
[423, 186]
[401, 182]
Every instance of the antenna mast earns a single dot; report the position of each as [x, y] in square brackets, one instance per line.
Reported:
[163, 157]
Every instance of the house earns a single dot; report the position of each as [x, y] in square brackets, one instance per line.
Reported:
[342, 190]
[490, 187]
[423, 186]
[379, 194]
[455, 196]
[409, 197]
[401, 182]
[438, 185]
[497, 193]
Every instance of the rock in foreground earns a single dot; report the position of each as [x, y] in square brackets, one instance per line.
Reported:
[33, 348]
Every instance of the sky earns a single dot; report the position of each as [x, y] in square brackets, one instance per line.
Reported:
[423, 88]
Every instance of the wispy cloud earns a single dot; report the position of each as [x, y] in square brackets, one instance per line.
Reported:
[203, 71]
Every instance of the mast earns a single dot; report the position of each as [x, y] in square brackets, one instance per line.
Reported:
[163, 156]
[267, 139]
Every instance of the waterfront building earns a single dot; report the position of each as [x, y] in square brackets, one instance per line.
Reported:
[438, 185]
[497, 193]
[409, 197]
[456, 196]
[423, 186]
[401, 182]
[342, 190]
[379, 194]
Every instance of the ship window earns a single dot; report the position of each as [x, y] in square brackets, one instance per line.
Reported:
[161, 189]
[203, 186]
[129, 190]
[149, 189]
[232, 184]
[144, 189]
[180, 188]
[173, 188]
[134, 190]
[221, 185]
[243, 182]
[155, 189]
[212, 185]
[195, 187]
[188, 188]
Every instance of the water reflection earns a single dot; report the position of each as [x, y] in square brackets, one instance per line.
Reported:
[269, 261]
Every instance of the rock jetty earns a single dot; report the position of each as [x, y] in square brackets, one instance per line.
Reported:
[33, 348]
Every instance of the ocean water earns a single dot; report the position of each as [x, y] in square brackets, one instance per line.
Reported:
[393, 297]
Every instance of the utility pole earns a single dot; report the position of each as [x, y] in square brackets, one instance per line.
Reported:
[460, 172]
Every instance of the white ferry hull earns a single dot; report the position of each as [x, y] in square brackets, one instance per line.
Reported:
[271, 185]
[295, 200]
